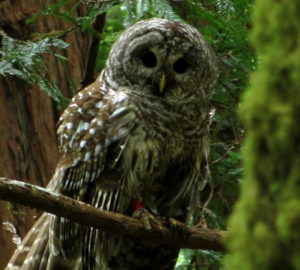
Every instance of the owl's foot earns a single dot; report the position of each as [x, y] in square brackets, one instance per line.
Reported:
[176, 227]
[138, 211]
[151, 222]
[148, 220]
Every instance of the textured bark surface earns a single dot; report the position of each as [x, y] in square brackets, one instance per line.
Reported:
[28, 116]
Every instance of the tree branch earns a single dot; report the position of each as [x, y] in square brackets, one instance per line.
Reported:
[54, 203]
[98, 26]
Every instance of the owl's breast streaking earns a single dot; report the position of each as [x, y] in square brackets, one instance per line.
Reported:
[159, 151]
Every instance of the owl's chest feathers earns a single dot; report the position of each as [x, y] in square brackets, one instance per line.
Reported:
[164, 134]
[158, 139]
[146, 162]
[150, 154]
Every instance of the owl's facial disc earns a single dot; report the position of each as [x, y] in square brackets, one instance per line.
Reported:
[162, 70]
[157, 65]
[161, 58]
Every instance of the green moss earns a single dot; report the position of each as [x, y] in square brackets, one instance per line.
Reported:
[264, 229]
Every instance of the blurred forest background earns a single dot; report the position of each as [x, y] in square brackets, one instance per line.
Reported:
[51, 49]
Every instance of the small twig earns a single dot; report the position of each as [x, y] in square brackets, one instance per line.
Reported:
[42, 199]
[225, 154]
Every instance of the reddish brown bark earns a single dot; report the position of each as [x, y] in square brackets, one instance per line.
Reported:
[28, 116]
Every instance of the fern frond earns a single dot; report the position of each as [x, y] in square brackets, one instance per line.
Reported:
[225, 7]
[164, 10]
[142, 7]
[130, 7]
[22, 59]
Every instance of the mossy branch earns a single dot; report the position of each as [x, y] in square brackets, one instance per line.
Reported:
[54, 203]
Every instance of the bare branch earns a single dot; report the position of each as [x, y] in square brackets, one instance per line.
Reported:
[98, 27]
[54, 203]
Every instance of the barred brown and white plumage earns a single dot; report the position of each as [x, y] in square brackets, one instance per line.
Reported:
[139, 132]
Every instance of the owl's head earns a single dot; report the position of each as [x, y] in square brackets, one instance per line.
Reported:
[163, 58]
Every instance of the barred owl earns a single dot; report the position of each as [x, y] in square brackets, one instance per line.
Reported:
[137, 134]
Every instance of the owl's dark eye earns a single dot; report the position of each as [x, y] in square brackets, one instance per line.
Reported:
[149, 59]
[181, 65]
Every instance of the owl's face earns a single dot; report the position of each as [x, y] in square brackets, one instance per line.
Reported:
[162, 58]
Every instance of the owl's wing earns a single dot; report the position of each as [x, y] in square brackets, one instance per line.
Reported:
[92, 133]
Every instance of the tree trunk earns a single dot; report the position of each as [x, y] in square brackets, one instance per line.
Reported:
[265, 226]
[28, 116]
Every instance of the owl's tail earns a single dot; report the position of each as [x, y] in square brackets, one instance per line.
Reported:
[34, 252]
[27, 255]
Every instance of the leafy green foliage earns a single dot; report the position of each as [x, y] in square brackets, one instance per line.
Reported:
[236, 58]
[199, 259]
[163, 9]
[113, 27]
[85, 23]
[23, 60]
[142, 9]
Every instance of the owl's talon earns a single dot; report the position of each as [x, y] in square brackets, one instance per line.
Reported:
[148, 220]
[177, 227]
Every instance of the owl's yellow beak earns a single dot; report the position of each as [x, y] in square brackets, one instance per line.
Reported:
[162, 83]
